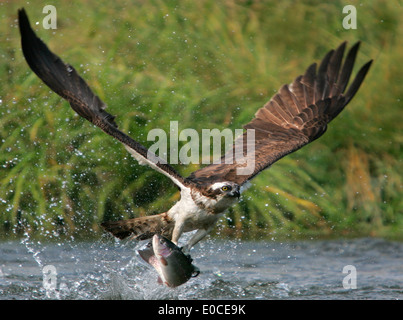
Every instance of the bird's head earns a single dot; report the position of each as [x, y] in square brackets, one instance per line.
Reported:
[225, 189]
[218, 196]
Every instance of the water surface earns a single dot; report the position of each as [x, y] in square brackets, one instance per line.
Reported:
[105, 269]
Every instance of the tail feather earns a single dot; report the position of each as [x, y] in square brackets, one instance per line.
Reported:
[141, 228]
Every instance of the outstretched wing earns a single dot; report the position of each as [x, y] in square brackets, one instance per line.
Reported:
[64, 80]
[295, 116]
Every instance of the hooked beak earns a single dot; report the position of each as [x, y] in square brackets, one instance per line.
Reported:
[236, 193]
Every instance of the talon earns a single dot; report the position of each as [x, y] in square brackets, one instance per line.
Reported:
[196, 272]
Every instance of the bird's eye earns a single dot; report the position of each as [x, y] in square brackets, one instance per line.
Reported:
[226, 188]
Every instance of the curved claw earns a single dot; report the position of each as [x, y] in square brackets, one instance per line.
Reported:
[195, 272]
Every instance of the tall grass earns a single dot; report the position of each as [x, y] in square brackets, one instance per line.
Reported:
[207, 64]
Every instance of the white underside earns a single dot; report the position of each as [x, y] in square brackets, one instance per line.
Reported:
[188, 216]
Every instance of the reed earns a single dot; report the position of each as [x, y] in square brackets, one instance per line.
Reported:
[207, 64]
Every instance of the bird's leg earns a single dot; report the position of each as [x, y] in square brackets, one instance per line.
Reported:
[199, 235]
[177, 232]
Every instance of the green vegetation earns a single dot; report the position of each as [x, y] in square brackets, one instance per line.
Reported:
[207, 64]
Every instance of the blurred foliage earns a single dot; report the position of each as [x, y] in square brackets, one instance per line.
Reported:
[207, 64]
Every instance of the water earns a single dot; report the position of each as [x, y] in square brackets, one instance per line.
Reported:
[105, 269]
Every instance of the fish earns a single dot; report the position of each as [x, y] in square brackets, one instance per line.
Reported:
[174, 268]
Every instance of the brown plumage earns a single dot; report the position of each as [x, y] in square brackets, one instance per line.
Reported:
[141, 228]
[295, 116]
[63, 79]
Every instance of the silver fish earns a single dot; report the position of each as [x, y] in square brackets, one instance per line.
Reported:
[173, 266]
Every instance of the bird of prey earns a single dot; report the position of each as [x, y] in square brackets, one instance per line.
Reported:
[295, 116]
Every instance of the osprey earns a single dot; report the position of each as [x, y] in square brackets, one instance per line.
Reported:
[295, 116]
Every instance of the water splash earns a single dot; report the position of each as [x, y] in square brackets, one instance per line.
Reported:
[104, 269]
[48, 287]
